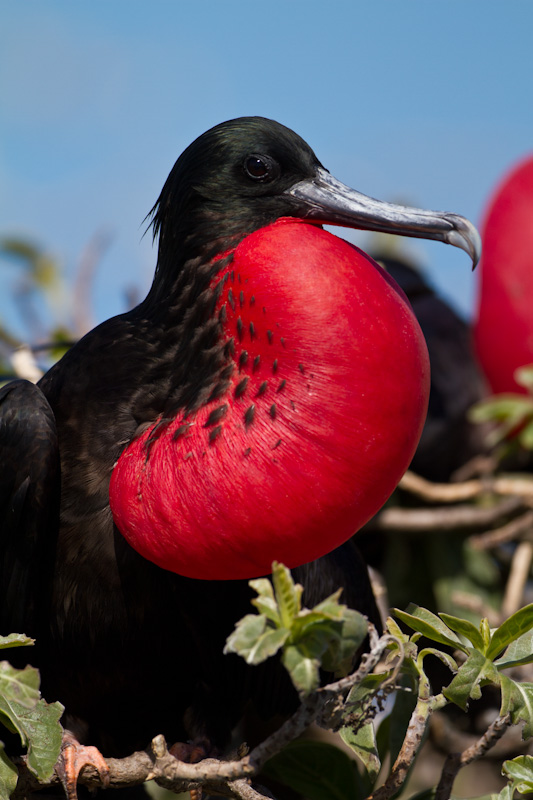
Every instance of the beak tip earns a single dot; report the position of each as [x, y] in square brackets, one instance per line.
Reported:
[465, 236]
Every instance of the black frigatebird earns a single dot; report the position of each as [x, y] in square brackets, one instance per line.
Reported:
[449, 440]
[261, 402]
[503, 324]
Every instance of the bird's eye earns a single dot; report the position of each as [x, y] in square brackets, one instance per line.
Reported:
[259, 168]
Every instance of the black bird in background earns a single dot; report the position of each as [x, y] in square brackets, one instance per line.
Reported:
[449, 440]
[132, 649]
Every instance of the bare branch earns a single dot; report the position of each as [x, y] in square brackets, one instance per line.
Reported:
[518, 576]
[25, 365]
[468, 490]
[455, 761]
[449, 738]
[507, 533]
[410, 747]
[230, 778]
[441, 518]
[244, 791]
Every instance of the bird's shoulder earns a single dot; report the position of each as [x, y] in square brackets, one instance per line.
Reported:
[29, 499]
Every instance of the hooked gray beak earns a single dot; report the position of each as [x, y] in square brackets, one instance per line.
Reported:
[326, 200]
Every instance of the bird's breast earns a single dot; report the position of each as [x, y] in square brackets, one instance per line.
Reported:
[325, 407]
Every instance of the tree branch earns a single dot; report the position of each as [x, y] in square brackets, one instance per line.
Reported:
[427, 520]
[518, 577]
[507, 533]
[418, 724]
[229, 778]
[455, 761]
[468, 490]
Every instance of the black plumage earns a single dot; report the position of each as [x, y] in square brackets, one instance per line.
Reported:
[449, 440]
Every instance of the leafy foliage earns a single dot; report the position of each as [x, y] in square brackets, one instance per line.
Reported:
[519, 771]
[482, 665]
[327, 635]
[24, 712]
[512, 414]
[310, 767]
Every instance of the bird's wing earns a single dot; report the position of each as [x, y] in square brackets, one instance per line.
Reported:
[29, 505]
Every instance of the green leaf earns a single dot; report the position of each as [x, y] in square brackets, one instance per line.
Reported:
[288, 594]
[362, 737]
[316, 640]
[517, 700]
[464, 628]
[518, 653]
[339, 657]
[363, 743]
[524, 377]
[394, 629]
[246, 633]
[505, 794]
[429, 625]
[525, 437]
[444, 657]
[265, 601]
[519, 772]
[21, 685]
[44, 734]
[501, 407]
[39, 731]
[254, 640]
[466, 684]
[302, 668]
[509, 411]
[267, 645]
[383, 737]
[308, 621]
[331, 607]
[15, 640]
[517, 624]
[318, 771]
[8, 775]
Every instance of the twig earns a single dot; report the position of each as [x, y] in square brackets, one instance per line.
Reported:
[455, 761]
[225, 777]
[507, 533]
[518, 576]
[25, 365]
[243, 790]
[418, 724]
[444, 519]
[322, 705]
[468, 490]
[449, 738]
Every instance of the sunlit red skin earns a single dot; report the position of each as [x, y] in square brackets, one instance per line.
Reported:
[313, 442]
[503, 330]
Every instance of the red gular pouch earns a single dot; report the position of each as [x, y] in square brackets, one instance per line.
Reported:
[322, 416]
[503, 329]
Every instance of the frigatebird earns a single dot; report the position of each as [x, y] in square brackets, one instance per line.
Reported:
[503, 324]
[261, 402]
[449, 440]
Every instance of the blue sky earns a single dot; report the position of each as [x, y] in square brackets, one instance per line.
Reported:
[419, 101]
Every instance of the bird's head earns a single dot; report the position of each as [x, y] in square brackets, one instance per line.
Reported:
[246, 173]
[232, 180]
